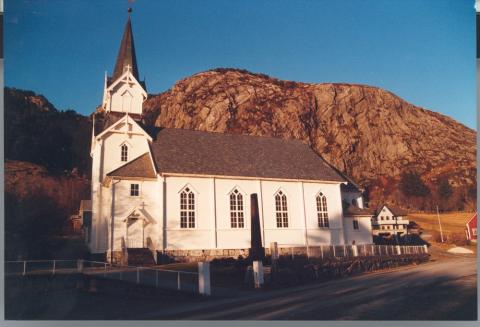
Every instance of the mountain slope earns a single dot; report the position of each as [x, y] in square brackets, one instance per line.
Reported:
[366, 132]
[35, 131]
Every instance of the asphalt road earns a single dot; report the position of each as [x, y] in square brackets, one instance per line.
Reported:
[442, 289]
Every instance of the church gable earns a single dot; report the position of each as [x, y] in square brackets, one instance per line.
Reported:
[125, 125]
[125, 95]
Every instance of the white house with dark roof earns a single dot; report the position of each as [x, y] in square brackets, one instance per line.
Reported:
[176, 191]
[389, 220]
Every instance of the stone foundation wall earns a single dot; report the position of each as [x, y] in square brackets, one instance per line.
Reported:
[208, 255]
[119, 258]
[203, 255]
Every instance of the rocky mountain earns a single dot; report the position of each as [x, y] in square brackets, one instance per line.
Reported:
[36, 132]
[368, 133]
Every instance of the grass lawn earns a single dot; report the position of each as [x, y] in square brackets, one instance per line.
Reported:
[452, 222]
[453, 225]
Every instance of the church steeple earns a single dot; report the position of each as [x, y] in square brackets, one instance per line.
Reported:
[126, 58]
[124, 92]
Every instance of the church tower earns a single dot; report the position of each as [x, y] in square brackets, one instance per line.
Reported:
[123, 91]
[117, 140]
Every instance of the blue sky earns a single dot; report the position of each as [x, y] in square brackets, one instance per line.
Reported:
[421, 50]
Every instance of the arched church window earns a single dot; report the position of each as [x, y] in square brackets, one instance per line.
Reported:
[124, 153]
[236, 210]
[281, 209]
[322, 210]
[187, 208]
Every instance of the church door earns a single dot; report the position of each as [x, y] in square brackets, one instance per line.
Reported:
[135, 233]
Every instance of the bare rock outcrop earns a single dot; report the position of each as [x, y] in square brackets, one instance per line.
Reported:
[369, 133]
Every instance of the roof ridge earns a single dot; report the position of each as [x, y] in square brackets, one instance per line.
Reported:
[236, 134]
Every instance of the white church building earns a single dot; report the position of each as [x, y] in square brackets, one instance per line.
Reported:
[181, 192]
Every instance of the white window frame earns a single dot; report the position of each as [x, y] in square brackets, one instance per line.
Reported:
[138, 190]
[187, 189]
[281, 209]
[322, 210]
[235, 212]
[122, 146]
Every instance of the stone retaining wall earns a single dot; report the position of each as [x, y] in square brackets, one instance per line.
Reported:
[203, 255]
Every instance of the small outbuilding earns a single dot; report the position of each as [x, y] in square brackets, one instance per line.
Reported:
[471, 230]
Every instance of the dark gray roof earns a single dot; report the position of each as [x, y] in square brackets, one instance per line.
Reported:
[139, 167]
[206, 153]
[351, 211]
[395, 210]
[126, 54]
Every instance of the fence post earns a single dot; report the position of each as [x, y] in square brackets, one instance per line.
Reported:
[292, 252]
[258, 273]
[399, 250]
[204, 278]
[364, 250]
[355, 250]
[105, 270]
[178, 282]
[334, 251]
[53, 270]
[425, 248]
[156, 278]
[321, 250]
[344, 250]
[24, 267]
[138, 275]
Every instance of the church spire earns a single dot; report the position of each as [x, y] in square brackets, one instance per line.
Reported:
[126, 58]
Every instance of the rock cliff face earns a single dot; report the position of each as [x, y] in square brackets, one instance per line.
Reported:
[370, 134]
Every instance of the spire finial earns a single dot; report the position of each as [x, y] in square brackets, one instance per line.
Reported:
[130, 8]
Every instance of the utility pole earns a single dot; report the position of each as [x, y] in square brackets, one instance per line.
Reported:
[440, 224]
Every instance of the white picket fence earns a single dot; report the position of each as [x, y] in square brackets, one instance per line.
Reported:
[345, 251]
[185, 281]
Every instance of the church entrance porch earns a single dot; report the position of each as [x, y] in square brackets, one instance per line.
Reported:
[138, 245]
[135, 237]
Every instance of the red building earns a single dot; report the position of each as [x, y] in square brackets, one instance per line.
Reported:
[472, 228]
